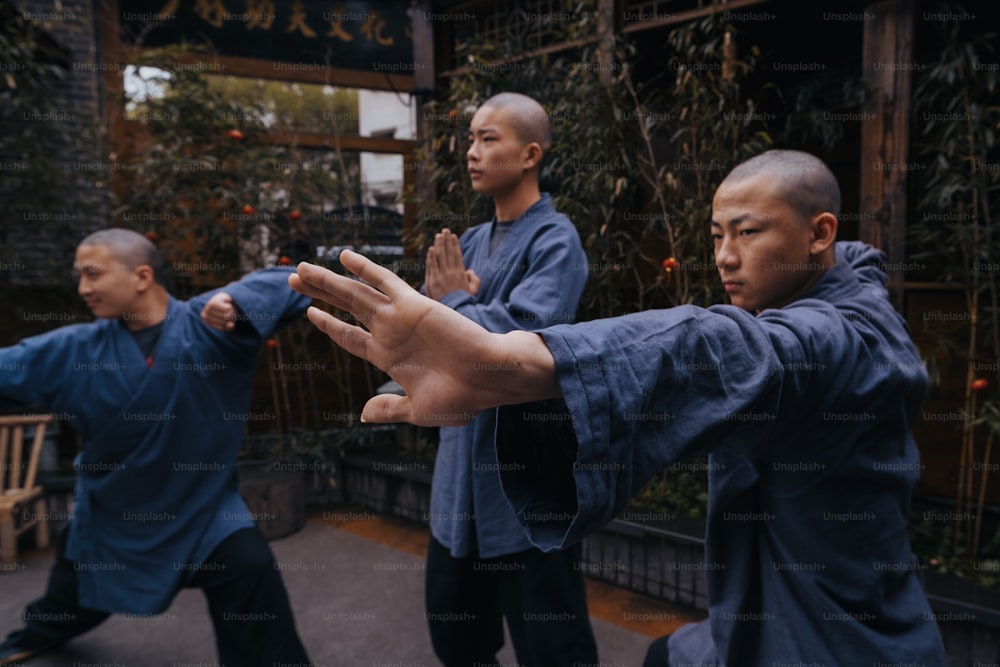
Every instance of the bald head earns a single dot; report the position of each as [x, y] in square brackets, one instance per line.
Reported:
[526, 116]
[801, 180]
[130, 248]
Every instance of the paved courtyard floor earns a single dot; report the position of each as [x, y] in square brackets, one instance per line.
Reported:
[356, 582]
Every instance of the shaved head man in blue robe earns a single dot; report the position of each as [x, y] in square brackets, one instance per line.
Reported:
[525, 269]
[802, 393]
[158, 389]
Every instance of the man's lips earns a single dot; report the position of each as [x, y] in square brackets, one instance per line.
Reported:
[731, 285]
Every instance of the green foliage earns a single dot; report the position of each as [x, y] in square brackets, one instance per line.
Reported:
[932, 534]
[317, 453]
[714, 126]
[44, 196]
[292, 106]
[957, 191]
[680, 491]
[221, 197]
[634, 168]
[215, 174]
[310, 449]
[816, 114]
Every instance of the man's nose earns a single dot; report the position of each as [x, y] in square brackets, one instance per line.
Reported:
[726, 256]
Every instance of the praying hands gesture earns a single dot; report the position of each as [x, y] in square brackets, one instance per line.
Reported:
[449, 366]
[445, 271]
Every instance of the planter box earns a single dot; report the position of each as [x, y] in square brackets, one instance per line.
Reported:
[399, 488]
[275, 498]
[663, 563]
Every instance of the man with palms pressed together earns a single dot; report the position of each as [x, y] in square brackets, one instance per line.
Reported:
[525, 269]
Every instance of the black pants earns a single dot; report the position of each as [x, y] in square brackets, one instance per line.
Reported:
[247, 601]
[542, 596]
[657, 655]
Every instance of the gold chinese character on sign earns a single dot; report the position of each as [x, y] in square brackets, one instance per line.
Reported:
[212, 11]
[260, 14]
[337, 25]
[298, 21]
[372, 29]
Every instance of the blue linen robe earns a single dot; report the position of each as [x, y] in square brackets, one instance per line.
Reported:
[157, 486]
[534, 279]
[805, 412]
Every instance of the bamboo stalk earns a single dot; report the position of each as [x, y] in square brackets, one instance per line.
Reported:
[274, 394]
[983, 478]
[972, 300]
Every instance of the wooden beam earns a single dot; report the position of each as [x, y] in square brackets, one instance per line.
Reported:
[554, 48]
[887, 62]
[346, 143]
[666, 20]
[674, 18]
[928, 286]
[272, 69]
[135, 131]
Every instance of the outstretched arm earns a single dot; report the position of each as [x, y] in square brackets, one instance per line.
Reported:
[450, 367]
[253, 307]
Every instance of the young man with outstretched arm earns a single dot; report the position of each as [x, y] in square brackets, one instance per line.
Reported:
[802, 393]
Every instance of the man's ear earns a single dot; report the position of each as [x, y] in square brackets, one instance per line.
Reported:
[144, 277]
[824, 233]
[532, 155]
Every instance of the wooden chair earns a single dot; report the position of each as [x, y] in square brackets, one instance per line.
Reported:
[18, 491]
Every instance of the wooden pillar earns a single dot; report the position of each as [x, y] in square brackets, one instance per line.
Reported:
[606, 28]
[887, 63]
[115, 129]
[109, 55]
[423, 47]
[423, 91]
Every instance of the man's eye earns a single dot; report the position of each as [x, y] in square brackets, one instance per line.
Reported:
[747, 232]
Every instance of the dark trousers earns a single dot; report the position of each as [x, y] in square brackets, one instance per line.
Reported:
[247, 601]
[690, 644]
[542, 596]
[657, 655]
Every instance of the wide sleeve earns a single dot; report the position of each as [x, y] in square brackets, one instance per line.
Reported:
[265, 301]
[35, 371]
[642, 392]
[547, 294]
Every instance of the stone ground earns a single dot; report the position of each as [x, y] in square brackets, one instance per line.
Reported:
[356, 582]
